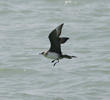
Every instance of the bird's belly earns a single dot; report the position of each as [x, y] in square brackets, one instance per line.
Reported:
[52, 55]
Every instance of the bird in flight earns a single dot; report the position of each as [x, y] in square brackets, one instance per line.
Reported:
[55, 52]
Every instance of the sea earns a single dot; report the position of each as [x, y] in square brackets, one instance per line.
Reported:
[24, 29]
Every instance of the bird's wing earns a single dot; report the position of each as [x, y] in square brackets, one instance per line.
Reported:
[59, 29]
[54, 40]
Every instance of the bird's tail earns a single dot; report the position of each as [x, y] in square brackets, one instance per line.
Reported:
[68, 57]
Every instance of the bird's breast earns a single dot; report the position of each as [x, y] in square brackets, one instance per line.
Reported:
[52, 55]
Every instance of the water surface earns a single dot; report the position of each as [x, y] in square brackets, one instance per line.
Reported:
[24, 29]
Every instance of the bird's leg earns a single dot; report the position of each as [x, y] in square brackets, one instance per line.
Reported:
[56, 62]
[53, 61]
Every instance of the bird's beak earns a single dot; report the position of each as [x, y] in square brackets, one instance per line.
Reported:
[40, 53]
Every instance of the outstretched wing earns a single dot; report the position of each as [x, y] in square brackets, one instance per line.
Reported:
[63, 39]
[59, 29]
[54, 40]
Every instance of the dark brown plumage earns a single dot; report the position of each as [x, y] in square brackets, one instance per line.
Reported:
[55, 45]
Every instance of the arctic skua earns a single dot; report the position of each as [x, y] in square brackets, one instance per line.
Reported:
[55, 52]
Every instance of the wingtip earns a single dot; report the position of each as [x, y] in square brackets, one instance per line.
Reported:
[62, 24]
